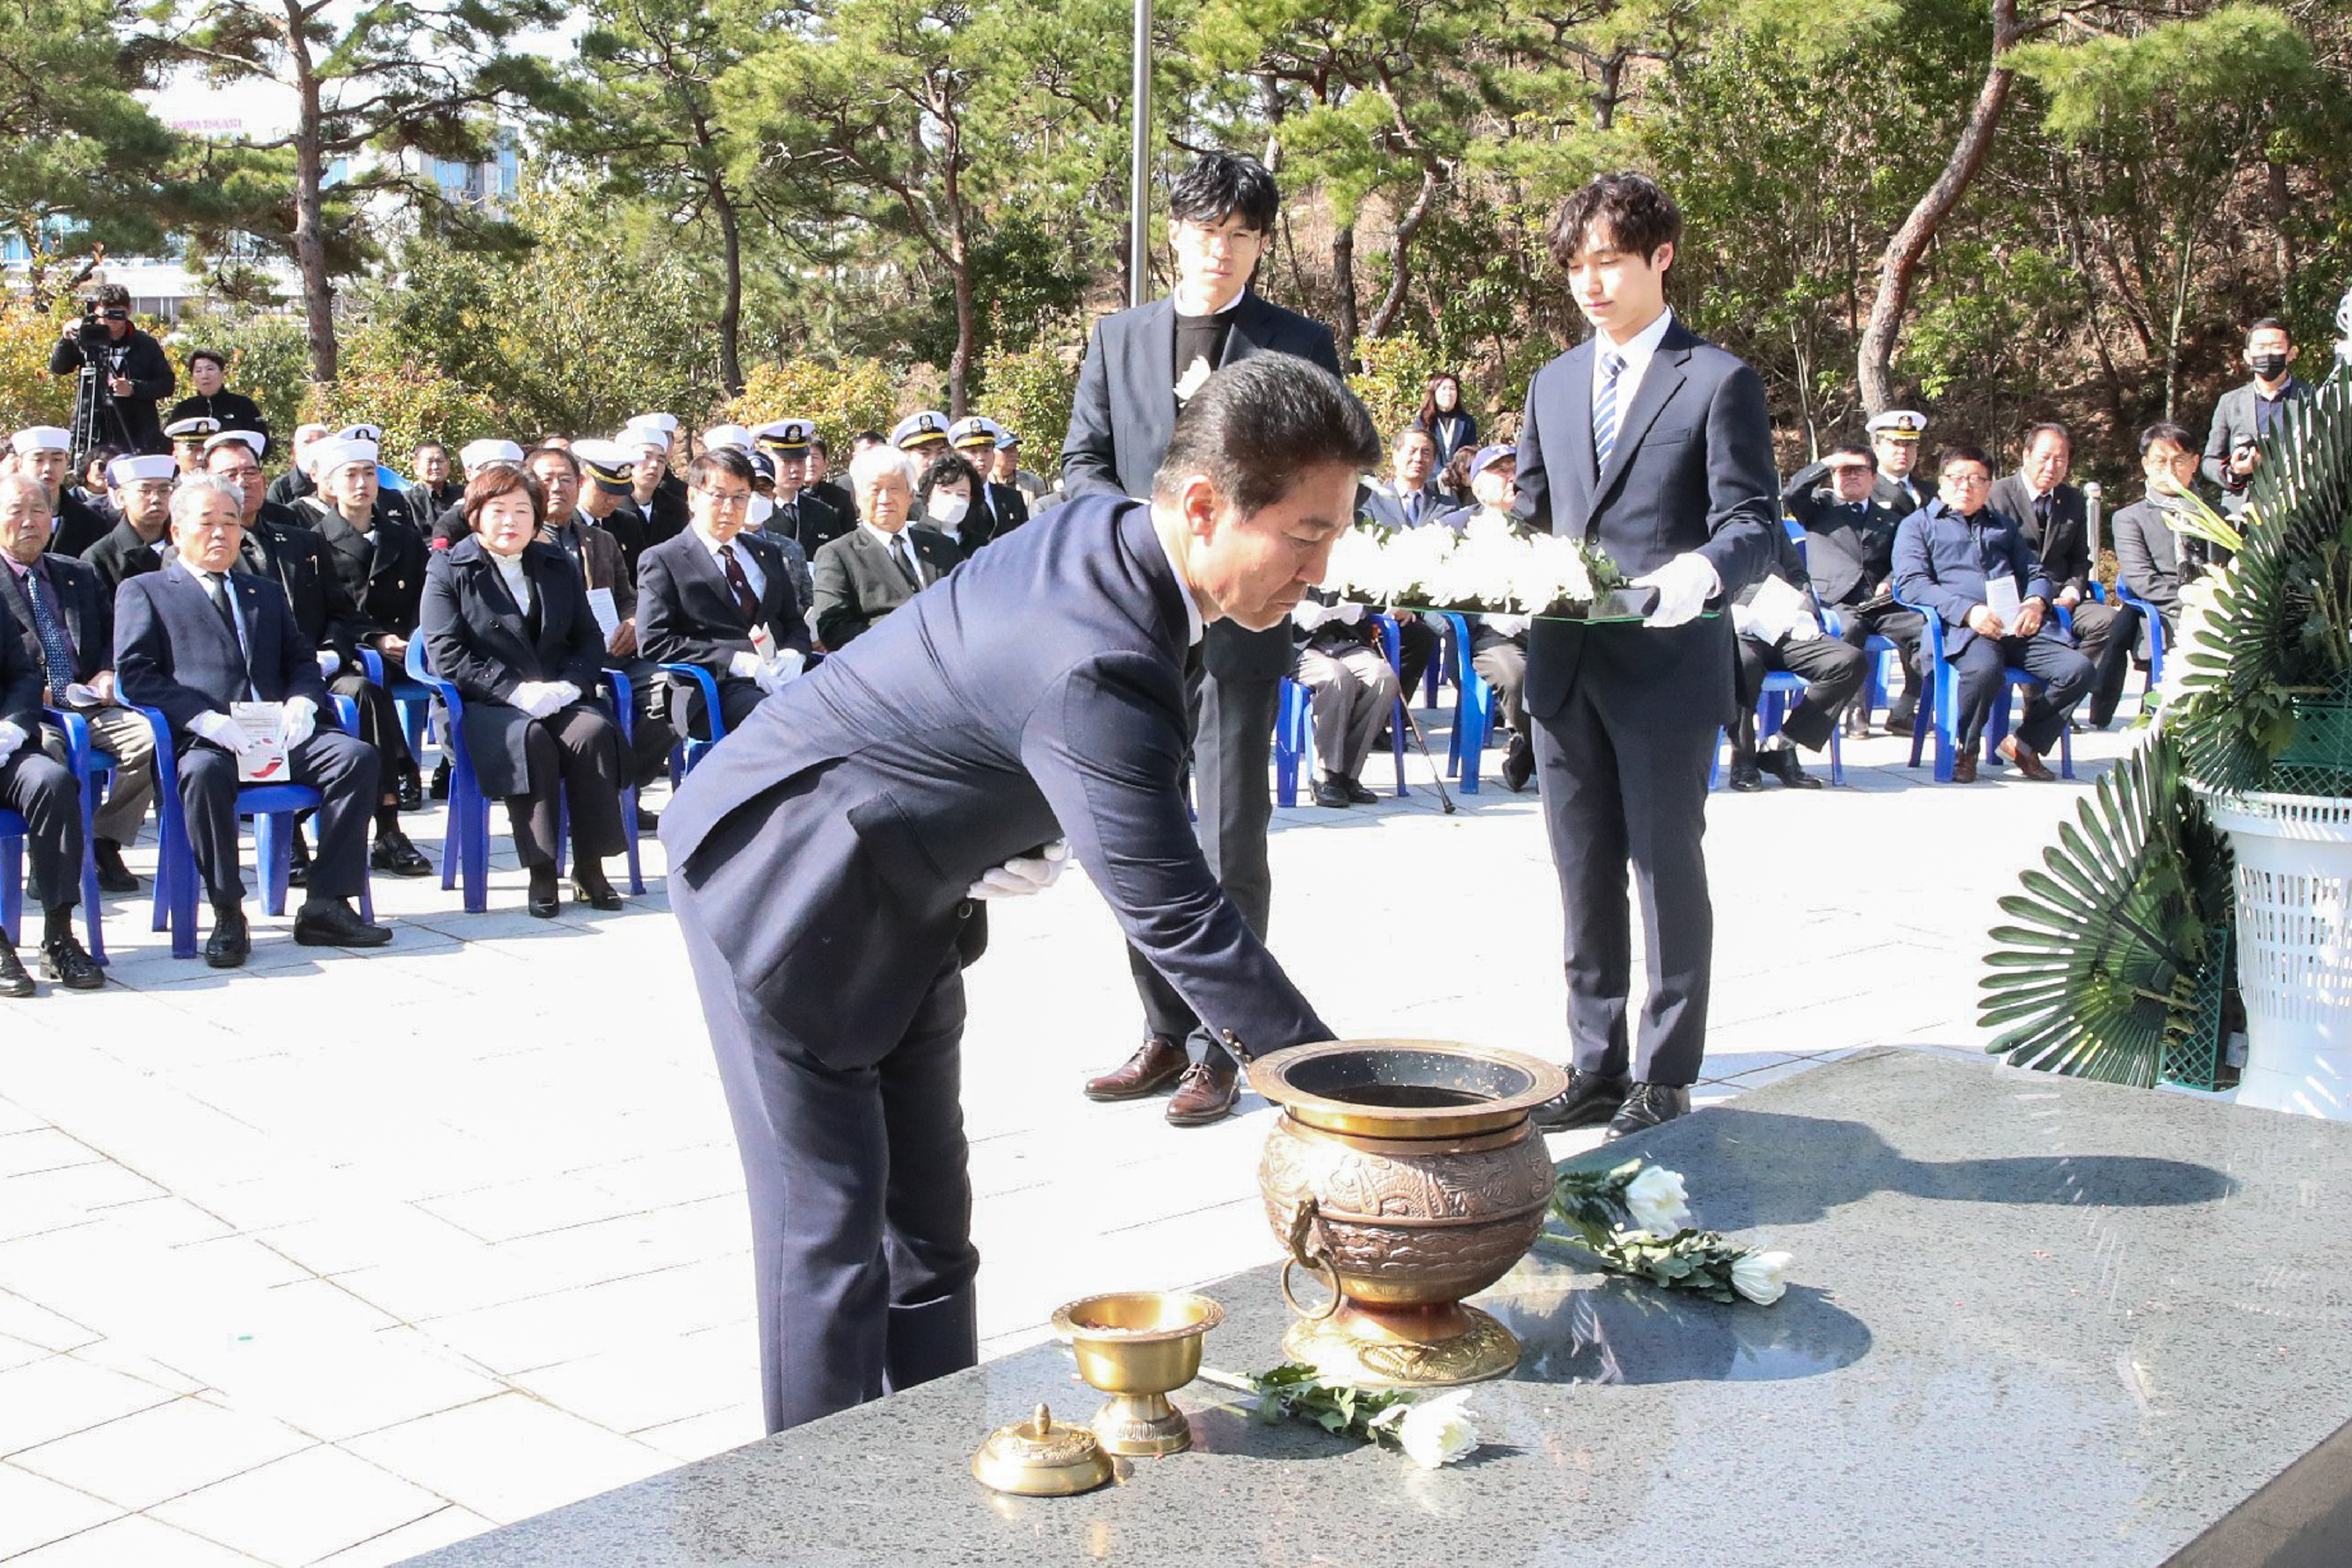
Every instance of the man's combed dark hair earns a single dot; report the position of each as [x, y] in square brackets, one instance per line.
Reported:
[728, 461]
[1630, 211]
[2269, 324]
[1254, 426]
[112, 296]
[561, 454]
[1853, 450]
[2166, 430]
[2047, 427]
[1221, 185]
[1964, 452]
[220, 360]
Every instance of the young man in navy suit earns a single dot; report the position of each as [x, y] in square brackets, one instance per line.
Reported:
[1141, 369]
[828, 856]
[197, 635]
[1654, 444]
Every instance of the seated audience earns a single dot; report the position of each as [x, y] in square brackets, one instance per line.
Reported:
[886, 560]
[1498, 643]
[196, 636]
[142, 490]
[944, 500]
[808, 520]
[507, 622]
[2055, 520]
[43, 794]
[722, 598]
[1352, 688]
[1778, 630]
[2153, 557]
[1946, 556]
[42, 454]
[1850, 556]
[996, 508]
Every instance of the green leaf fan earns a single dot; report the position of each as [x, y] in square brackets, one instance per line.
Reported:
[2099, 975]
[2277, 627]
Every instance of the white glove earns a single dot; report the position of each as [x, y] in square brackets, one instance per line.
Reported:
[1023, 874]
[743, 666]
[224, 731]
[297, 721]
[1743, 620]
[785, 667]
[1308, 614]
[329, 661]
[1684, 585]
[538, 699]
[12, 736]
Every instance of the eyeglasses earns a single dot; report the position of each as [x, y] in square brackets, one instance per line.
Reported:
[115, 315]
[1968, 481]
[725, 498]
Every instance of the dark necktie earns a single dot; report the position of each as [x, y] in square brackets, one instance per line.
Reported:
[789, 516]
[218, 589]
[2042, 514]
[1413, 509]
[56, 653]
[904, 553]
[745, 600]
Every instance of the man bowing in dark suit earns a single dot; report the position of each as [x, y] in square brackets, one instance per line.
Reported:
[2055, 520]
[1652, 444]
[195, 638]
[721, 598]
[1142, 367]
[827, 861]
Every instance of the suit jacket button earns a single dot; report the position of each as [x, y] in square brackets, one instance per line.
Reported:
[963, 910]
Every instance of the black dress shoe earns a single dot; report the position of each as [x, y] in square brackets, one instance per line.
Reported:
[540, 901]
[590, 888]
[1330, 792]
[13, 981]
[298, 860]
[1356, 794]
[231, 942]
[1647, 1105]
[64, 961]
[1900, 722]
[439, 788]
[331, 923]
[395, 854]
[1745, 778]
[411, 789]
[1518, 764]
[113, 876]
[1590, 1099]
[1781, 763]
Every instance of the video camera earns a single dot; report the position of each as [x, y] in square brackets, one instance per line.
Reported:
[92, 331]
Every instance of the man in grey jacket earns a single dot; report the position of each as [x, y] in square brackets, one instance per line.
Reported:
[2246, 414]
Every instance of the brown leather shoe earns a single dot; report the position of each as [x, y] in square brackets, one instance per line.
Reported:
[1156, 1064]
[1206, 1093]
[1964, 766]
[2027, 760]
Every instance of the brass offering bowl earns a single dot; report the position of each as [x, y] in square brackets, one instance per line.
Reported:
[1406, 1175]
[1138, 1346]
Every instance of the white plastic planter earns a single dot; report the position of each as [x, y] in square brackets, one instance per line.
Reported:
[2295, 949]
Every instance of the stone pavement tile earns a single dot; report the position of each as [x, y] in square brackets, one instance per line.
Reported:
[46, 1200]
[17, 1352]
[1722, 1064]
[127, 1357]
[415, 1539]
[528, 1208]
[168, 1293]
[301, 1508]
[548, 1331]
[654, 1382]
[46, 1400]
[674, 1176]
[35, 1512]
[510, 1457]
[633, 1244]
[43, 1149]
[133, 1540]
[36, 1325]
[700, 1436]
[144, 1458]
[14, 1118]
[364, 1231]
[340, 1387]
[1756, 1077]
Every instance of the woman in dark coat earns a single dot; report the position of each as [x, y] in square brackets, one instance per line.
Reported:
[506, 620]
[1448, 423]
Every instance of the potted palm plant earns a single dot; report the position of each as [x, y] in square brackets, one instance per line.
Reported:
[2234, 814]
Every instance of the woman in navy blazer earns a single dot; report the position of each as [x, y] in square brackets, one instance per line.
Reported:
[506, 620]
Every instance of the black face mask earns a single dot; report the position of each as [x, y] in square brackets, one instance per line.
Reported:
[2269, 367]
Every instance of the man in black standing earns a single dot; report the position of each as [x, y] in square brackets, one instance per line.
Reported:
[1142, 366]
[2247, 414]
[1652, 444]
[209, 374]
[134, 376]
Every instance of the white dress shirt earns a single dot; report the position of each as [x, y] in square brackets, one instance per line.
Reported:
[205, 579]
[1637, 355]
[743, 558]
[890, 547]
[1193, 625]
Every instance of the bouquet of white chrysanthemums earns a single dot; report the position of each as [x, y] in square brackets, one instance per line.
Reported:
[1486, 567]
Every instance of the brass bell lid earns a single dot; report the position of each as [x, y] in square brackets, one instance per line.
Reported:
[1037, 1458]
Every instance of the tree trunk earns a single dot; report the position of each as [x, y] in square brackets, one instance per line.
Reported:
[1400, 259]
[1610, 89]
[1901, 260]
[309, 204]
[731, 304]
[967, 334]
[1343, 263]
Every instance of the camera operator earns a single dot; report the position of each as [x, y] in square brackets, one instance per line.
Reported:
[135, 376]
[209, 374]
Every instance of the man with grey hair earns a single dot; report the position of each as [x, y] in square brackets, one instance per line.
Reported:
[36, 788]
[197, 637]
[886, 559]
[67, 621]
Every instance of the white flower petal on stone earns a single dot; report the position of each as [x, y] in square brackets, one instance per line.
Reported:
[1656, 1201]
[1761, 1277]
[1437, 1431]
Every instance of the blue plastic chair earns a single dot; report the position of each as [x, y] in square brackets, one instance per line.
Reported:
[93, 771]
[1294, 727]
[1476, 710]
[689, 751]
[1944, 699]
[466, 848]
[273, 808]
[12, 833]
[411, 698]
[2154, 622]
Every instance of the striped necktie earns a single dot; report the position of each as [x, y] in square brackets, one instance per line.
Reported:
[1604, 408]
[56, 653]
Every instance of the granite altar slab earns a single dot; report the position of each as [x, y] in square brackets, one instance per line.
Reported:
[2031, 1321]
